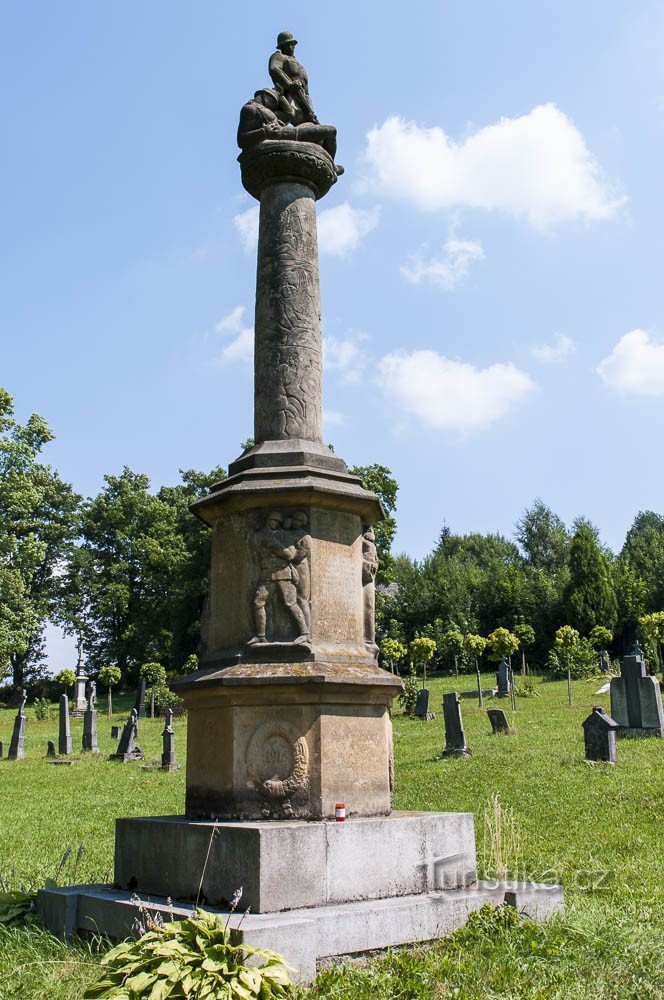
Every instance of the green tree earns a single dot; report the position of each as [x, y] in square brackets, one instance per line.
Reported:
[652, 629]
[421, 652]
[572, 654]
[153, 674]
[525, 633]
[543, 537]
[631, 598]
[67, 678]
[452, 644]
[502, 642]
[475, 645]
[392, 651]
[38, 524]
[589, 598]
[119, 582]
[644, 548]
[380, 481]
[110, 676]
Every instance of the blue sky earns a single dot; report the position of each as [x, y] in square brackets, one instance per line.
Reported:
[491, 262]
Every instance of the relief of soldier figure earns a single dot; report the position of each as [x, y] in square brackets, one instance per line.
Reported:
[285, 111]
[282, 549]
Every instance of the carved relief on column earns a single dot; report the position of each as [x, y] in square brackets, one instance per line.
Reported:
[288, 362]
[369, 570]
[281, 599]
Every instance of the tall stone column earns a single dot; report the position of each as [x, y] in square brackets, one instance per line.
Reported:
[291, 713]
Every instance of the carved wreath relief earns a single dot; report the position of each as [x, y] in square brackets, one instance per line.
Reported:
[288, 358]
[281, 602]
[278, 765]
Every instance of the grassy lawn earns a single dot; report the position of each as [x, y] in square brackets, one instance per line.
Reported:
[599, 829]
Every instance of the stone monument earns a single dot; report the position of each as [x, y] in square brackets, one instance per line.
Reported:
[168, 761]
[499, 724]
[289, 714]
[128, 749]
[17, 742]
[455, 737]
[90, 721]
[64, 730]
[139, 704]
[422, 706]
[636, 700]
[503, 679]
[81, 684]
[599, 735]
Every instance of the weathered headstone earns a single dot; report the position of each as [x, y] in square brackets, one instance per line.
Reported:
[2, 749]
[599, 734]
[128, 749]
[455, 738]
[116, 732]
[499, 723]
[90, 722]
[64, 731]
[17, 744]
[636, 700]
[168, 761]
[50, 749]
[80, 688]
[422, 705]
[139, 704]
[503, 679]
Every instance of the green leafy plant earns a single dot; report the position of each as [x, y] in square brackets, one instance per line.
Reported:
[190, 958]
[190, 665]
[573, 653]
[16, 907]
[42, 708]
[501, 643]
[392, 651]
[165, 698]
[154, 675]
[408, 696]
[66, 677]
[421, 652]
[109, 676]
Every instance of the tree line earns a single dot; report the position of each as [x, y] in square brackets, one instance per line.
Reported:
[126, 571]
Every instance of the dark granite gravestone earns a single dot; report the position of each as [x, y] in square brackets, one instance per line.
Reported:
[455, 738]
[17, 744]
[422, 705]
[503, 679]
[139, 704]
[128, 749]
[499, 723]
[64, 732]
[2, 749]
[50, 749]
[116, 732]
[168, 761]
[636, 700]
[90, 722]
[599, 734]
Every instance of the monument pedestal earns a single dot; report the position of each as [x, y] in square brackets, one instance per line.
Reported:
[315, 891]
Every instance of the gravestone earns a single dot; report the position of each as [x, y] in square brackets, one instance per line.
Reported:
[50, 749]
[455, 738]
[422, 705]
[2, 749]
[116, 732]
[64, 731]
[599, 734]
[503, 679]
[636, 700]
[128, 749]
[139, 704]
[17, 744]
[90, 722]
[499, 724]
[80, 688]
[168, 761]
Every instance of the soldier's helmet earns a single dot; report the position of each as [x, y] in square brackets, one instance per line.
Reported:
[284, 37]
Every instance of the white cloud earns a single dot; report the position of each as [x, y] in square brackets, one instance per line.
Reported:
[241, 347]
[451, 395]
[340, 229]
[536, 166]
[551, 354]
[636, 364]
[446, 271]
[246, 224]
[345, 356]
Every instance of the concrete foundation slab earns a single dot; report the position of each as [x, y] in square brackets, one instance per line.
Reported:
[305, 936]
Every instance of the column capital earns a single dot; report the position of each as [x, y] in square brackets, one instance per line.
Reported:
[287, 161]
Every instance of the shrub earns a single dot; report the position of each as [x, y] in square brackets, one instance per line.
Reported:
[192, 957]
[165, 698]
[574, 653]
[190, 665]
[42, 709]
[66, 677]
[408, 696]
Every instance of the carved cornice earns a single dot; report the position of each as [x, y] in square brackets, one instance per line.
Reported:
[285, 161]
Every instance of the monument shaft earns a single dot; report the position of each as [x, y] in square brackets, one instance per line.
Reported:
[288, 350]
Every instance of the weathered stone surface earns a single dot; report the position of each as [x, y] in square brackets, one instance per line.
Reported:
[128, 750]
[422, 705]
[139, 703]
[168, 761]
[89, 742]
[499, 724]
[455, 738]
[17, 744]
[336, 862]
[64, 730]
[289, 740]
[636, 700]
[308, 935]
[503, 678]
[599, 734]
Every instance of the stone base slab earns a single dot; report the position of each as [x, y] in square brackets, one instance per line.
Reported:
[283, 865]
[305, 937]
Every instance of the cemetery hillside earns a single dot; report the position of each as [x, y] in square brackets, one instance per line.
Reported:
[342, 695]
[126, 572]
